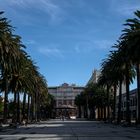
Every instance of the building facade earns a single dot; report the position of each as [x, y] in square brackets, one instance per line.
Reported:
[133, 104]
[64, 96]
[94, 77]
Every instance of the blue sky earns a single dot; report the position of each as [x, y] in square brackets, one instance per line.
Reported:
[68, 38]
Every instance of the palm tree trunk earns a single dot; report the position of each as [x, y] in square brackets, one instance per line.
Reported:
[128, 119]
[120, 102]
[101, 112]
[35, 106]
[87, 106]
[18, 107]
[98, 113]
[79, 111]
[15, 108]
[28, 109]
[108, 105]
[23, 108]
[16, 104]
[32, 108]
[93, 113]
[38, 107]
[104, 113]
[114, 105]
[85, 111]
[5, 101]
[138, 93]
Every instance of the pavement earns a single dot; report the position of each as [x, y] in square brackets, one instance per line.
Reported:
[70, 130]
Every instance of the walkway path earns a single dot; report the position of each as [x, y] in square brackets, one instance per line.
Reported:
[71, 130]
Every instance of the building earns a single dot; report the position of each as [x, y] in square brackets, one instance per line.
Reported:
[64, 96]
[133, 104]
[94, 77]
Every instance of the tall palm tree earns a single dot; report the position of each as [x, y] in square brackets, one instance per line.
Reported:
[9, 53]
[119, 66]
[132, 37]
[80, 101]
[115, 70]
[78, 104]
[129, 74]
[117, 76]
[106, 80]
[18, 73]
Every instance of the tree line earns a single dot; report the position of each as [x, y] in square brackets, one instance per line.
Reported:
[19, 75]
[122, 65]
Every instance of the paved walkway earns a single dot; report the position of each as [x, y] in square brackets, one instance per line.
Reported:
[71, 130]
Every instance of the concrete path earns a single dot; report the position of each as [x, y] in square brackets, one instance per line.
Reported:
[71, 130]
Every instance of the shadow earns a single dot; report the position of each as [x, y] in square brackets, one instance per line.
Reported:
[65, 130]
[51, 127]
[23, 138]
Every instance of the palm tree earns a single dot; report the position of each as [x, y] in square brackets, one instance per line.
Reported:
[129, 73]
[80, 102]
[114, 71]
[4, 26]
[9, 53]
[18, 73]
[119, 66]
[18, 84]
[106, 80]
[48, 105]
[96, 98]
[118, 78]
[132, 37]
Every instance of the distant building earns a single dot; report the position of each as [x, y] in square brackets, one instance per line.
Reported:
[94, 79]
[64, 96]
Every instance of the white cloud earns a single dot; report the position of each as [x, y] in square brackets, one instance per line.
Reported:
[103, 44]
[125, 8]
[30, 42]
[84, 47]
[22, 7]
[90, 46]
[129, 10]
[53, 10]
[51, 52]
